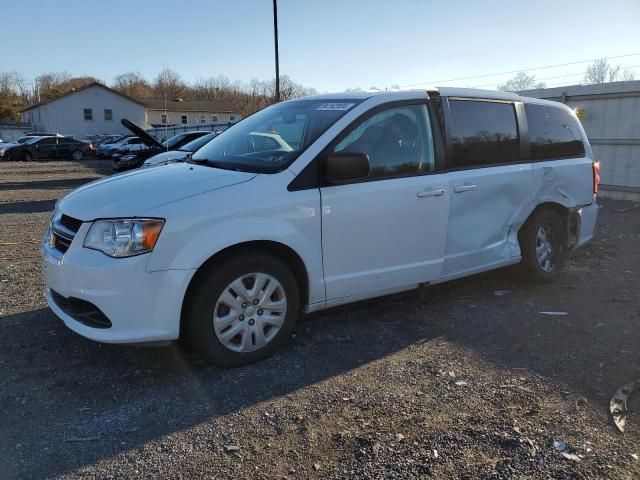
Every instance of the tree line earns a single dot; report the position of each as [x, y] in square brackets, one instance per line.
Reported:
[600, 71]
[16, 92]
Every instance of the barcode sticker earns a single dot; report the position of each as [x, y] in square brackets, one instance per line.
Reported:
[335, 106]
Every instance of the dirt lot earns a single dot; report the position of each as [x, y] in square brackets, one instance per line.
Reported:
[470, 385]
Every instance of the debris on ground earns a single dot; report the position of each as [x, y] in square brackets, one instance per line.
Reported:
[566, 452]
[618, 404]
[501, 293]
[556, 314]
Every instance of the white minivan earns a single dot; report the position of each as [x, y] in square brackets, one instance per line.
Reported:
[375, 193]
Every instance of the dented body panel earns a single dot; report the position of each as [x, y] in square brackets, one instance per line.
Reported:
[488, 206]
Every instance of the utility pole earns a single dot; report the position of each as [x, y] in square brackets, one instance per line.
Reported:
[275, 37]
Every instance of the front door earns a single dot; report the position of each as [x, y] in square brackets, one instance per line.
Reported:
[490, 187]
[46, 148]
[387, 232]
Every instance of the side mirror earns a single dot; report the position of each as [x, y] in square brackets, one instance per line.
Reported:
[342, 167]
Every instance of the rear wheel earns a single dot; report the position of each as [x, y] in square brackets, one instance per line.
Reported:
[542, 241]
[76, 155]
[243, 309]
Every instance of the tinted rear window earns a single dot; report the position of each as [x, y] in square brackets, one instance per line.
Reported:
[553, 133]
[483, 133]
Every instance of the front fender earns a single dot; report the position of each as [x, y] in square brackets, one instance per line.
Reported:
[193, 233]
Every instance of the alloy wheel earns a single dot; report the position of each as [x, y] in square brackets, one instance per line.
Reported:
[544, 248]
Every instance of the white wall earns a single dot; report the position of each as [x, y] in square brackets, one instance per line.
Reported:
[154, 117]
[65, 115]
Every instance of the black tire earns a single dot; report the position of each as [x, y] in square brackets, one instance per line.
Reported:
[209, 286]
[27, 157]
[76, 155]
[554, 230]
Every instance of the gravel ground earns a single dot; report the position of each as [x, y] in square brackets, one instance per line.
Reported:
[469, 385]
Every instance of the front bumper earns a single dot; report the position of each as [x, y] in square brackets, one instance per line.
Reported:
[141, 306]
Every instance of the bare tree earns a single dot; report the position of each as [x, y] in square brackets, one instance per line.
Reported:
[520, 82]
[601, 71]
[13, 95]
[627, 75]
[50, 85]
[169, 84]
[132, 84]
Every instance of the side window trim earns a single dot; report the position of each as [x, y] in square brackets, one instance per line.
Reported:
[523, 132]
[311, 177]
[449, 144]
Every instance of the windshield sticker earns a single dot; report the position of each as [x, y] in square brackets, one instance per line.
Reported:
[335, 106]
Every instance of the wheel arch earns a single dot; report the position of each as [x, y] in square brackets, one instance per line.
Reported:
[563, 212]
[277, 249]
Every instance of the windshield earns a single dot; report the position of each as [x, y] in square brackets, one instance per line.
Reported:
[271, 139]
[23, 139]
[31, 140]
[172, 141]
[198, 143]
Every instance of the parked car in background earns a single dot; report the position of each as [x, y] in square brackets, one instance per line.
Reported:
[106, 139]
[130, 160]
[47, 148]
[106, 149]
[381, 193]
[6, 145]
[42, 134]
[181, 153]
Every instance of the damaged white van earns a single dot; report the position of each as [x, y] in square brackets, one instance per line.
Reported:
[317, 202]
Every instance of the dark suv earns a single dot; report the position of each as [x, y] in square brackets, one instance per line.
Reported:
[47, 148]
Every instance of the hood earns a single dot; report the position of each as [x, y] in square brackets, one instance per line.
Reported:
[165, 157]
[133, 193]
[141, 133]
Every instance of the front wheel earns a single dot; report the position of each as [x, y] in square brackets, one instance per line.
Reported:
[542, 241]
[243, 309]
[27, 157]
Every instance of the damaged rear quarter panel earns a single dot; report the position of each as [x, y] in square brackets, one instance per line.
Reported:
[568, 182]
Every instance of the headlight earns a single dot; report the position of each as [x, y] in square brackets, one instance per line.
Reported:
[128, 157]
[124, 237]
[1, 152]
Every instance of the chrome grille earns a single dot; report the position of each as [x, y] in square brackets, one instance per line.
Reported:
[60, 243]
[63, 230]
[70, 223]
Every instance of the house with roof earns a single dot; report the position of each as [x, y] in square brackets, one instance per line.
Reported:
[160, 113]
[97, 109]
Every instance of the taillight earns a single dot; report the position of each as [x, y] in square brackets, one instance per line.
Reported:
[596, 176]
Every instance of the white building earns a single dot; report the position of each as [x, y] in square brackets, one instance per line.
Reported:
[188, 112]
[97, 109]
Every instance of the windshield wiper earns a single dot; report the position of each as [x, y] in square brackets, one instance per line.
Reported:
[213, 164]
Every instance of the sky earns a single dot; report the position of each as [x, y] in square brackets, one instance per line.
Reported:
[330, 45]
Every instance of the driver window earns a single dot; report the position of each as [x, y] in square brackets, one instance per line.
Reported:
[398, 142]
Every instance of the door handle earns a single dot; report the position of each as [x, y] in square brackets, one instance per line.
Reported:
[467, 187]
[436, 192]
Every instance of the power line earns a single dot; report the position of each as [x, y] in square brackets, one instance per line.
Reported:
[432, 82]
[558, 76]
